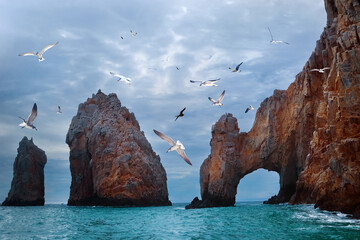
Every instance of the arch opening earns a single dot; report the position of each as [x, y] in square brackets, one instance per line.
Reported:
[259, 185]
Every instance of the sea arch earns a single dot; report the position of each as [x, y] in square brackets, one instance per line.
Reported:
[234, 155]
[259, 185]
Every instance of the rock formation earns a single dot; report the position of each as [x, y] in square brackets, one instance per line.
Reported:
[27, 186]
[309, 133]
[111, 161]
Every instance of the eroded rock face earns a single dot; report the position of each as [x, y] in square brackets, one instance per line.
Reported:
[309, 134]
[27, 186]
[111, 161]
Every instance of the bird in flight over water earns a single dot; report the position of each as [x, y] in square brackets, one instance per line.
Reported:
[59, 110]
[206, 83]
[28, 123]
[275, 41]
[39, 54]
[178, 146]
[121, 77]
[218, 101]
[237, 68]
[181, 114]
[249, 108]
[322, 70]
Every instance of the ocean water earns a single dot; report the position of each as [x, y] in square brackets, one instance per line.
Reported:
[247, 220]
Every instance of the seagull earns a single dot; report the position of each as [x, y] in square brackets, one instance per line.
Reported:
[180, 114]
[275, 41]
[178, 146]
[59, 110]
[29, 122]
[322, 70]
[207, 82]
[39, 54]
[121, 77]
[249, 108]
[218, 101]
[237, 68]
[133, 33]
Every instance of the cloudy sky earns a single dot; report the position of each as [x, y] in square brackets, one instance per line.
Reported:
[202, 38]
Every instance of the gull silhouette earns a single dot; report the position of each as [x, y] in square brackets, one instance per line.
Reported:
[178, 146]
[121, 77]
[207, 82]
[181, 114]
[218, 101]
[39, 54]
[30, 120]
[237, 68]
[249, 108]
[275, 41]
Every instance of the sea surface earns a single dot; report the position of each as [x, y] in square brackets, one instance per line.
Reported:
[247, 220]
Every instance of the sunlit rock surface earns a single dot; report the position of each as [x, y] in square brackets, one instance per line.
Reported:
[309, 133]
[111, 161]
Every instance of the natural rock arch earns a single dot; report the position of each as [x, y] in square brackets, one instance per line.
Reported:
[309, 133]
[234, 155]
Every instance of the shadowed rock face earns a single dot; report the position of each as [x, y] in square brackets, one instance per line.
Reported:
[111, 161]
[309, 133]
[27, 186]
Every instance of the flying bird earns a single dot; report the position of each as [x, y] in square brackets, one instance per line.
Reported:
[121, 77]
[322, 70]
[177, 68]
[59, 110]
[121, 37]
[133, 33]
[181, 114]
[207, 82]
[218, 101]
[237, 68]
[39, 54]
[249, 108]
[275, 41]
[30, 120]
[178, 146]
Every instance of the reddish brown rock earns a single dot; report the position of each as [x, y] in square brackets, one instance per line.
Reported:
[27, 186]
[309, 133]
[111, 161]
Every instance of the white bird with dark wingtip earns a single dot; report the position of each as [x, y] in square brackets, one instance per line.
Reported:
[237, 68]
[272, 41]
[121, 77]
[59, 110]
[249, 108]
[178, 146]
[133, 33]
[30, 120]
[39, 54]
[206, 83]
[218, 101]
[322, 70]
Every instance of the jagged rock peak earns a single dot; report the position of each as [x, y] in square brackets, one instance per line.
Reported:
[111, 161]
[27, 186]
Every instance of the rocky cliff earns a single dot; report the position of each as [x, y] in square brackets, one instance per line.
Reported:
[27, 186]
[309, 133]
[111, 161]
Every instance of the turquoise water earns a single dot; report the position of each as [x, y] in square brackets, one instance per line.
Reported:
[249, 220]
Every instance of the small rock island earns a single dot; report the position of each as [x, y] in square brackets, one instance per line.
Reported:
[111, 161]
[27, 186]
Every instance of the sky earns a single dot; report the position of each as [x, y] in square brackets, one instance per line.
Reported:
[202, 38]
